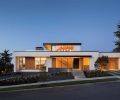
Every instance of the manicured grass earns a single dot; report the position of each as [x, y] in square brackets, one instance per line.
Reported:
[96, 73]
[59, 84]
[116, 73]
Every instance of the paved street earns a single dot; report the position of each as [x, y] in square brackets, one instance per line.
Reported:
[99, 91]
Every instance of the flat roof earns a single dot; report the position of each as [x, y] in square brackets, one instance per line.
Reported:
[71, 56]
[52, 51]
[61, 43]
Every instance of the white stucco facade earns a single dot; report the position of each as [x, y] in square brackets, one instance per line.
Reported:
[93, 55]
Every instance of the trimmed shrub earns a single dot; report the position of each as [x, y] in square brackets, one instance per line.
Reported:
[96, 73]
[40, 77]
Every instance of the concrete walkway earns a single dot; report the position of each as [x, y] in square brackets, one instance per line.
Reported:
[60, 81]
[114, 74]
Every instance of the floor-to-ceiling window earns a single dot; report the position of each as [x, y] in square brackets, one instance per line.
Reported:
[62, 62]
[39, 62]
[20, 63]
[86, 63]
[25, 63]
[30, 63]
[81, 63]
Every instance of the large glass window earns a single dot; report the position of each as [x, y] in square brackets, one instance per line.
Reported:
[63, 48]
[63, 62]
[71, 62]
[39, 62]
[86, 63]
[21, 62]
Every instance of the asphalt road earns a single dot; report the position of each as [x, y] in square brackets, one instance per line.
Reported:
[99, 91]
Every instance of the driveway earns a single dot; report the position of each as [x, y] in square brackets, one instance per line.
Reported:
[98, 91]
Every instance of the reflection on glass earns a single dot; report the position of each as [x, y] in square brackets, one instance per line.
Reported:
[63, 62]
[63, 48]
[39, 62]
[21, 62]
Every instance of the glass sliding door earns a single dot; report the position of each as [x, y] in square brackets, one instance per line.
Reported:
[62, 62]
[81, 63]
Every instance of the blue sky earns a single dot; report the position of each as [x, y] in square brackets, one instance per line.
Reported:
[25, 24]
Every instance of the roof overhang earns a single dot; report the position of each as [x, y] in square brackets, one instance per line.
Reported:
[71, 56]
[61, 44]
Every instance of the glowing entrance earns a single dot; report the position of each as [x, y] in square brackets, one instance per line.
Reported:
[76, 63]
[81, 63]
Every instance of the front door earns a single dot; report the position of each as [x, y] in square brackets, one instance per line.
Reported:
[76, 63]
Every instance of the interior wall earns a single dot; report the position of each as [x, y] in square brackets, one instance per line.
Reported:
[54, 62]
[113, 64]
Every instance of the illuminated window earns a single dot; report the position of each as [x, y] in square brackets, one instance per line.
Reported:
[63, 48]
[21, 62]
[86, 61]
[39, 62]
[63, 62]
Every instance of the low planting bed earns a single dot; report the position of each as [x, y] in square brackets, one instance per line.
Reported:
[58, 84]
[96, 73]
[24, 78]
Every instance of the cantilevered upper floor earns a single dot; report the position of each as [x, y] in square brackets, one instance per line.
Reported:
[62, 46]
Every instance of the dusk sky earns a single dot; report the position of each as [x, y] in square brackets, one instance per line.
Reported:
[25, 24]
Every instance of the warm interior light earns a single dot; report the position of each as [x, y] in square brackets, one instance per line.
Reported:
[86, 61]
[64, 48]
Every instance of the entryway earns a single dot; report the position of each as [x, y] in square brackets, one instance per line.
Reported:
[76, 63]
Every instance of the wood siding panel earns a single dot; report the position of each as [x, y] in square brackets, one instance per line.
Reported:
[54, 62]
[113, 64]
[30, 62]
[81, 63]
[17, 63]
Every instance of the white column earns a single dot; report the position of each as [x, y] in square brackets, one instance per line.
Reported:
[14, 62]
[92, 64]
[48, 64]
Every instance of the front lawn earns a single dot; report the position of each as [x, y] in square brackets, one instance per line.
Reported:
[96, 73]
[22, 78]
[115, 72]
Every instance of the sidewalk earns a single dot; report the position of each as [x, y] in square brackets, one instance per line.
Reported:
[114, 74]
[60, 81]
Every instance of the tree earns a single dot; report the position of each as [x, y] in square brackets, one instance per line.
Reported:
[117, 42]
[102, 62]
[6, 57]
[5, 62]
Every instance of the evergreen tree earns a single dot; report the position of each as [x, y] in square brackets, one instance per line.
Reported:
[117, 42]
[5, 57]
[5, 62]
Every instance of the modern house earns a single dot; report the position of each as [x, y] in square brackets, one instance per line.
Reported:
[61, 56]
